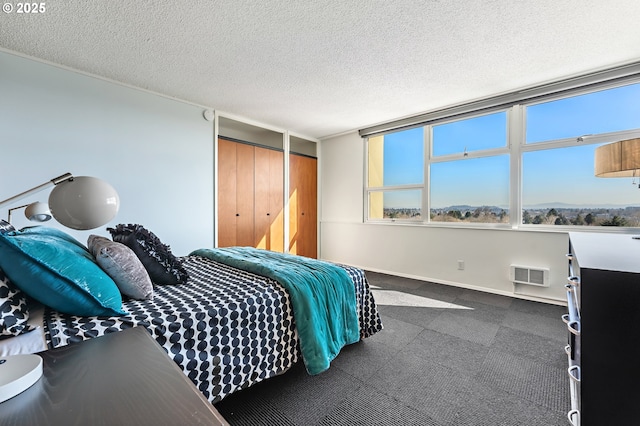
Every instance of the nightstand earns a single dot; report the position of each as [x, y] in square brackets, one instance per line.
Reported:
[122, 378]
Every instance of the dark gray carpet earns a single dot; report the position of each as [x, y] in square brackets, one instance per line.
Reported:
[447, 357]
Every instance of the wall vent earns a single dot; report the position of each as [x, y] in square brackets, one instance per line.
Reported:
[529, 275]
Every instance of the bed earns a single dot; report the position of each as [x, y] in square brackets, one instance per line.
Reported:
[226, 321]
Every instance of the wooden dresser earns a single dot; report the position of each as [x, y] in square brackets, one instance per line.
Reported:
[603, 296]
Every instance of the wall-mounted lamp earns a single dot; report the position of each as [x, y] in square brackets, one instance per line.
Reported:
[81, 202]
[618, 159]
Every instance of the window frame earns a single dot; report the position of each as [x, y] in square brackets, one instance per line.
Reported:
[516, 147]
[369, 189]
[467, 155]
[587, 139]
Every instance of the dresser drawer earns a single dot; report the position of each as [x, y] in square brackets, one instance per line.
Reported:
[572, 349]
[604, 288]
[574, 278]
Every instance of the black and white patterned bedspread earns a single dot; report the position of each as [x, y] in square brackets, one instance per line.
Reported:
[227, 329]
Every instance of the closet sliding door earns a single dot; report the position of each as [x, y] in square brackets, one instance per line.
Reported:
[250, 196]
[245, 188]
[269, 199]
[303, 199]
[251, 189]
[227, 190]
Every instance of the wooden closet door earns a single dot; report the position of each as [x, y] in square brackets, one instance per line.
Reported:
[269, 199]
[276, 199]
[261, 210]
[245, 189]
[227, 209]
[303, 195]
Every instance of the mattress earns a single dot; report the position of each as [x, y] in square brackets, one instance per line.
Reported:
[226, 328]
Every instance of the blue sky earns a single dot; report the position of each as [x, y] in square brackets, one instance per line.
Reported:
[557, 175]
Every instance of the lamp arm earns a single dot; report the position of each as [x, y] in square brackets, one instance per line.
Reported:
[54, 181]
[15, 208]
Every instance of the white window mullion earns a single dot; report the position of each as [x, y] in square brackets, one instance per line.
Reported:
[365, 182]
[426, 189]
[515, 140]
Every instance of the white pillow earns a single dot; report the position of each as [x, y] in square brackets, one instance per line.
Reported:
[14, 309]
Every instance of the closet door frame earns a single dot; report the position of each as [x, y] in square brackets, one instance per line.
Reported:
[286, 144]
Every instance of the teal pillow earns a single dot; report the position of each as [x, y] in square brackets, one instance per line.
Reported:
[58, 271]
[51, 232]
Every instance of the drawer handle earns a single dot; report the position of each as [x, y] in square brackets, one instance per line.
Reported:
[574, 373]
[573, 280]
[569, 256]
[565, 318]
[574, 417]
[574, 327]
[567, 350]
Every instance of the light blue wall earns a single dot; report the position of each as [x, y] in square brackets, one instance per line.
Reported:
[157, 152]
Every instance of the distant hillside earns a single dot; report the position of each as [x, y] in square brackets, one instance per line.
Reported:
[559, 205]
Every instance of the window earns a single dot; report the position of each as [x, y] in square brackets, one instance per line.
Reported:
[527, 164]
[398, 204]
[471, 191]
[396, 175]
[469, 171]
[558, 184]
[473, 134]
[559, 188]
[592, 113]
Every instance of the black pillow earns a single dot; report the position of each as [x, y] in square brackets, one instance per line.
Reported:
[163, 267]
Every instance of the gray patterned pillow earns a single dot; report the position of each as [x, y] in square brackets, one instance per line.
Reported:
[14, 310]
[123, 266]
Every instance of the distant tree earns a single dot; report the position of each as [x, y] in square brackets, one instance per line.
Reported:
[538, 220]
[455, 213]
[615, 221]
[589, 219]
[561, 220]
[467, 215]
[552, 212]
[526, 217]
[578, 220]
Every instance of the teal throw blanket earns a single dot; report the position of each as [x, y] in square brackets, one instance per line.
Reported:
[322, 296]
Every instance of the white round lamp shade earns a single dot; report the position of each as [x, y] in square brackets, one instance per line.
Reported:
[84, 202]
[38, 212]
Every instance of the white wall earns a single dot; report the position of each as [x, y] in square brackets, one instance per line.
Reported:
[426, 252]
[157, 152]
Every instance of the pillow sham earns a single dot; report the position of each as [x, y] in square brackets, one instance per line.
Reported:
[123, 266]
[14, 309]
[163, 267]
[58, 271]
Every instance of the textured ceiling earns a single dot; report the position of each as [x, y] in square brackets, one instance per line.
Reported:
[323, 67]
